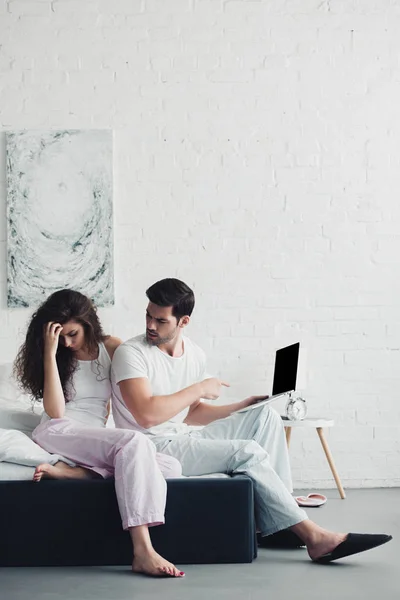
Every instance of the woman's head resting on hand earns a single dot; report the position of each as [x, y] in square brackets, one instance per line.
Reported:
[81, 330]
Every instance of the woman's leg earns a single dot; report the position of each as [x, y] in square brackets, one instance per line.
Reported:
[140, 486]
[60, 470]
[169, 466]
[146, 560]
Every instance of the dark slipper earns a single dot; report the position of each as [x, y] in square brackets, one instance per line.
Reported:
[281, 539]
[354, 544]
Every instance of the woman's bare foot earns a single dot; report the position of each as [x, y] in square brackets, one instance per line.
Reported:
[61, 471]
[155, 565]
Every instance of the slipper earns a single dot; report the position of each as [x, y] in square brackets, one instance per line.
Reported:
[312, 500]
[353, 544]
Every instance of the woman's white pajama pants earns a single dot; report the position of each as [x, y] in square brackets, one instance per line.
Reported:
[129, 456]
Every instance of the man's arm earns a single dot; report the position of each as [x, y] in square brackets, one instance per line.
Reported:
[149, 410]
[111, 344]
[202, 413]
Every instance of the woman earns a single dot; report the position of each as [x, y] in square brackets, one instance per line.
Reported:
[66, 360]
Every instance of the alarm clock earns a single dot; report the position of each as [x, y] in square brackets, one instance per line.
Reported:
[296, 408]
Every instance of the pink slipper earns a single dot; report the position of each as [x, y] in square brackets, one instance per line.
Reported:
[312, 500]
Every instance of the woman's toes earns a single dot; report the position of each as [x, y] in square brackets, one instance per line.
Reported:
[37, 476]
[155, 565]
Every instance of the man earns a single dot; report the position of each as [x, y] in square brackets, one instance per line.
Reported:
[160, 384]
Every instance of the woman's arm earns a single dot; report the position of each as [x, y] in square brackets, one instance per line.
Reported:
[53, 395]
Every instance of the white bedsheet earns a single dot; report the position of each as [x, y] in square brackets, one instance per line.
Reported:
[11, 472]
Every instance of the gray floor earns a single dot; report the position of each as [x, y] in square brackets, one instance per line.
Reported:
[275, 574]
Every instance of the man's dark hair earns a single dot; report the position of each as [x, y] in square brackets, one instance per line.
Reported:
[172, 292]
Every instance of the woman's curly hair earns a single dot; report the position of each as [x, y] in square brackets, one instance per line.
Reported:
[60, 307]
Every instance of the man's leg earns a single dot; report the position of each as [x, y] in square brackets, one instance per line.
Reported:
[274, 506]
[262, 424]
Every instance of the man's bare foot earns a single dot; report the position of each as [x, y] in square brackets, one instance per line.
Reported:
[319, 541]
[151, 563]
[61, 471]
[324, 542]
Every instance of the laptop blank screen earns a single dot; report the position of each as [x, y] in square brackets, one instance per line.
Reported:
[285, 374]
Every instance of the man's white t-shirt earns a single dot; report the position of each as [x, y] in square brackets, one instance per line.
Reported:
[166, 374]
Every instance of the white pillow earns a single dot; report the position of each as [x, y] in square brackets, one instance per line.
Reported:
[16, 447]
[8, 386]
[17, 411]
[12, 394]
[22, 420]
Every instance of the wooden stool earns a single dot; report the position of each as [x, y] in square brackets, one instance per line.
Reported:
[319, 425]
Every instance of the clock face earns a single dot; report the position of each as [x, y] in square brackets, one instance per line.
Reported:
[296, 409]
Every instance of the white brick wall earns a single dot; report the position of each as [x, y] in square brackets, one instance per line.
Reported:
[257, 158]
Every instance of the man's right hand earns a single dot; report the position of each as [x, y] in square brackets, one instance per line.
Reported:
[211, 388]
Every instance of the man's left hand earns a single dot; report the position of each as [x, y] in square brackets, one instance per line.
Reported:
[251, 400]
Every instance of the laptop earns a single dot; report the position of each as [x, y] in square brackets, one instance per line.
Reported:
[285, 374]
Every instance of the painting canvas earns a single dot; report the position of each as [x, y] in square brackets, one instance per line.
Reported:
[59, 215]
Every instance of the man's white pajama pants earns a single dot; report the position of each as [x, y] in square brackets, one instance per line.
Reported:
[252, 442]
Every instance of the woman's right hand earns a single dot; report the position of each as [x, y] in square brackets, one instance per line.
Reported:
[51, 337]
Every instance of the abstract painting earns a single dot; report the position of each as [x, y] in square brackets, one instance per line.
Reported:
[59, 215]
